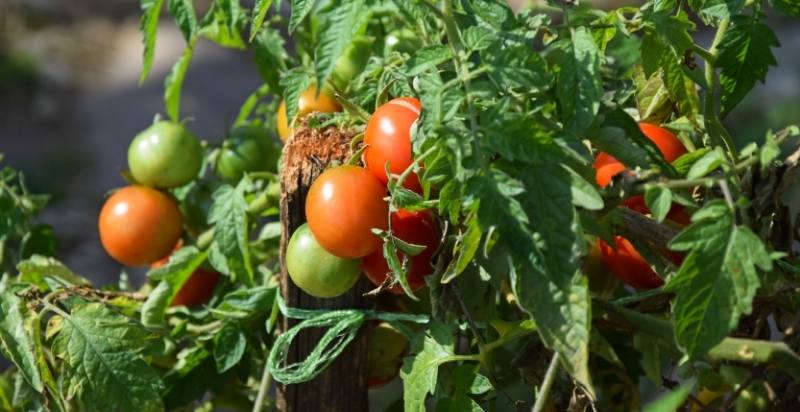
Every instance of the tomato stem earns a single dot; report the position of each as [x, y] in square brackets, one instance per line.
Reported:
[547, 383]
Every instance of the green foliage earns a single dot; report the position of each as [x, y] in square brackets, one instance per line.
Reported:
[516, 105]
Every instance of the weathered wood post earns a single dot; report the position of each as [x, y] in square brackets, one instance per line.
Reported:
[343, 385]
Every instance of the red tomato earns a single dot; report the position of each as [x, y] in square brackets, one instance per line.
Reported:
[671, 148]
[417, 228]
[343, 205]
[139, 225]
[198, 289]
[629, 265]
[388, 139]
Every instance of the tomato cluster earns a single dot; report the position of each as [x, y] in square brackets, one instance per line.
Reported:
[141, 224]
[346, 203]
[622, 259]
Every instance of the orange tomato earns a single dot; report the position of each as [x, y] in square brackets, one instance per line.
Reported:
[628, 265]
[139, 225]
[388, 140]
[343, 205]
[307, 104]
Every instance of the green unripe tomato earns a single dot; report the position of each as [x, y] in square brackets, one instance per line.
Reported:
[387, 346]
[248, 148]
[316, 271]
[403, 41]
[165, 155]
[352, 62]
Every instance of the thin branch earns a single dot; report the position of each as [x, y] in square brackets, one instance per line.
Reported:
[547, 383]
[263, 389]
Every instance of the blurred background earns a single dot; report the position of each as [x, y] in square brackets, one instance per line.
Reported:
[70, 103]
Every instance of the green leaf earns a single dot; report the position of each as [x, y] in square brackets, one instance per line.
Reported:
[670, 402]
[17, 341]
[148, 25]
[246, 302]
[47, 272]
[300, 9]
[467, 244]
[478, 38]
[222, 25]
[229, 346]
[173, 276]
[231, 237]
[420, 372]
[259, 14]
[790, 7]
[579, 84]
[174, 83]
[706, 164]
[427, 58]
[101, 364]
[495, 13]
[716, 10]
[620, 136]
[519, 67]
[674, 30]
[584, 193]
[185, 18]
[684, 163]
[294, 82]
[270, 57]
[716, 283]
[649, 347]
[340, 27]
[652, 97]
[682, 89]
[745, 56]
[652, 51]
[542, 235]
[659, 200]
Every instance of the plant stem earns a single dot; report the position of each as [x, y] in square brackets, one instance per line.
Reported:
[454, 39]
[547, 383]
[713, 125]
[263, 389]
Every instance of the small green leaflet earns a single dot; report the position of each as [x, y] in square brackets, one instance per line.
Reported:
[420, 372]
[427, 58]
[230, 253]
[294, 82]
[229, 346]
[517, 67]
[674, 30]
[185, 18]
[341, 25]
[659, 200]
[148, 25]
[173, 275]
[101, 365]
[716, 10]
[745, 56]
[259, 14]
[716, 283]
[681, 87]
[17, 342]
[706, 164]
[466, 246]
[174, 83]
[300, 9]
[495, 13]
[579, 84]
[47, 273]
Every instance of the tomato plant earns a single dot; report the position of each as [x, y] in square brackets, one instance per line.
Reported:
[165, 155]
[418, 228]
[248, 148]
[388, 140]
[342, 207]
[538, 132]
[317, 271]
[139, 225]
